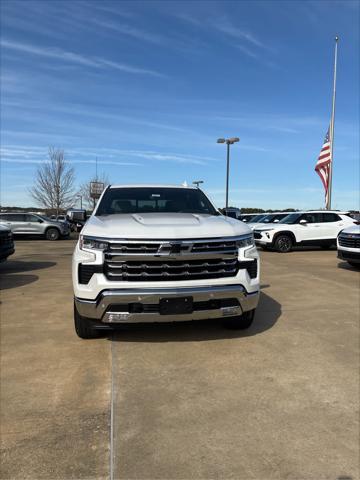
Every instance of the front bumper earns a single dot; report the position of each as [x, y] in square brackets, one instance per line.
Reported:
[117, 305]
[349, 255]
[6, 252]
[263, 237]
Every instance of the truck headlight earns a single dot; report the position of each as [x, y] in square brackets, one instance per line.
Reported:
[245, 242]
[88, 243]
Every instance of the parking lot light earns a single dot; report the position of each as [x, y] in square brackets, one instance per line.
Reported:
[228, 141]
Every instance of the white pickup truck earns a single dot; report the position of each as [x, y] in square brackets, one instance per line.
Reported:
[155, 253]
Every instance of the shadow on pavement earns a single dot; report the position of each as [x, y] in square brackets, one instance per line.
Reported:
[302, 248]
[267, 314]
[347, 266]
[13, 281]
[15, 266]
[11, 273]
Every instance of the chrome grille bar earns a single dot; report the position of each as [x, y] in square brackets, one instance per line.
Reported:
[131, 260]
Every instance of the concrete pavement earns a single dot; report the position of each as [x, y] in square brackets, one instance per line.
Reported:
[190, 401]
[55, 395]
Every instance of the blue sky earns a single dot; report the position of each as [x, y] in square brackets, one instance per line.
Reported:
[148, 87]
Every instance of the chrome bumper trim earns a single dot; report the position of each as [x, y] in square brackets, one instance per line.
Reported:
[100, 309]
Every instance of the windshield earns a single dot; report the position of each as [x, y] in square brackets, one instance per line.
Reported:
[154, 200]
[258, 218]
[290, 219]
[268, 218]
[273, 217]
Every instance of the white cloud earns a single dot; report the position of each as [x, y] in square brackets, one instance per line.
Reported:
[35, 154]
[223, 25]
[79, 59]
[130, 31]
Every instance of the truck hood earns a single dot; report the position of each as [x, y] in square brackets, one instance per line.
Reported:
[163, 226]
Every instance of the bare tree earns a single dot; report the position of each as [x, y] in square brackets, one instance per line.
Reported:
[84, 190]
[54, 182]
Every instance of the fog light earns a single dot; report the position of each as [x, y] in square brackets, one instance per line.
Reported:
[117, 317]
[228, 311]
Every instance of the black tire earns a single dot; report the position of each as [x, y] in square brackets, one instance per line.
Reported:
[52, 234]
[83, 327]
[240, 322]
[283, 243]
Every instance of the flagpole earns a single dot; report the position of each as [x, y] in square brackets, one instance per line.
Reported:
[332, 125]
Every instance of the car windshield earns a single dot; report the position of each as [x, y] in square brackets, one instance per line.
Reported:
[268, 218]
[247, 218]
[154, 200]
[290, 219]
[258, 218]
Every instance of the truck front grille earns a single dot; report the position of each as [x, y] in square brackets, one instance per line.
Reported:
[139, 271]
[174, 260]
[349, 241]
[215, 246]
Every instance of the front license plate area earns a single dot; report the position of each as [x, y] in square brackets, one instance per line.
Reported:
[176, 306]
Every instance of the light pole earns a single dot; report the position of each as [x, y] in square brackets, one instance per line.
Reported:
[228, 141]
[80, 196]
[198, 182]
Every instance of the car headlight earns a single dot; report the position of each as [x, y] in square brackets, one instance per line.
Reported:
[88, 243]
[245, 242]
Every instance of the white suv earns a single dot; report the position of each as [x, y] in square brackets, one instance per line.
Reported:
[270, 218]
[160, 254]
[303, 228]
[348, 245]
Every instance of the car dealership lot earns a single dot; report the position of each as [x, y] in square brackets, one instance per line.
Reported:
[188, 400]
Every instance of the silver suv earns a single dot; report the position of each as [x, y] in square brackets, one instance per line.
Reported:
[33, 224]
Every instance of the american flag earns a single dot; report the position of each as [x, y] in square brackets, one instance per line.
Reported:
[323, 165]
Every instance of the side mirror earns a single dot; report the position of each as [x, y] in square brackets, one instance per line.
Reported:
[303, 222]
[40, 221]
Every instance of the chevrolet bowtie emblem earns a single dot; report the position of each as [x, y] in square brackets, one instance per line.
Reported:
[174, 248]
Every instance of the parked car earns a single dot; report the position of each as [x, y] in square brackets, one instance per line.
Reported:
[58, 218]
[161, 254]
[77, 218]
[258, 218]
[33, 224]
[269, 218]
[232, 212]
[247, 217]
[348, 245]
[303, 228]
[7, 247]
